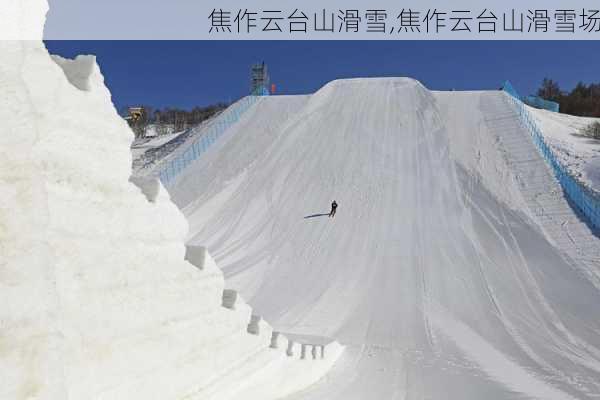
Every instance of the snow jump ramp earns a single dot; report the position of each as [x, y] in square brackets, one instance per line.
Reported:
[437, 273]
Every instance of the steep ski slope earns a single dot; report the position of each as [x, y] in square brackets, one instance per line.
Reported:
[433, 273]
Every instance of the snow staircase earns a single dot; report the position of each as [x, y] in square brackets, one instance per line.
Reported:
[564, 225]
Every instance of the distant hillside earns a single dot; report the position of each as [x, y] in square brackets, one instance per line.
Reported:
[156, 122]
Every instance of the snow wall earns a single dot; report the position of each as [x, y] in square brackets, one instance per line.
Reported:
[96, 299]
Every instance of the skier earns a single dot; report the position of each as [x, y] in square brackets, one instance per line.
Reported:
[333, 208]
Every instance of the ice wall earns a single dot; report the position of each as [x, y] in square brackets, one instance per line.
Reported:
[96, 300]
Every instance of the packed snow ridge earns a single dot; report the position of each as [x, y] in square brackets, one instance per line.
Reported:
[454, 267]
[100, 298]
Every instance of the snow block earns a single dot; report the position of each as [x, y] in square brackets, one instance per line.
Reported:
[291, 347]
[275, 340]
[150, 187]
[77, 71]
[311, 347]
[254, 325]
[303, 351]
[196, 255]
[229, 298]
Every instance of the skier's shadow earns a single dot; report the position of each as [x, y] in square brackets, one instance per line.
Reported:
[316, 215]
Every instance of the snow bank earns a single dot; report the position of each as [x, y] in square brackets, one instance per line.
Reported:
[577, 153]
[96, 299]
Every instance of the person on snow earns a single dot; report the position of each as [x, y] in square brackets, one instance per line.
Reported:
[333, 208]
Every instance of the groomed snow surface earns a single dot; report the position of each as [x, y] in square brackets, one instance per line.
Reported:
[454, 268]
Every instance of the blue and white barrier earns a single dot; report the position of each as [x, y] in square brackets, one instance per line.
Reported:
[543, 104]
[230, 116]
[583, 198]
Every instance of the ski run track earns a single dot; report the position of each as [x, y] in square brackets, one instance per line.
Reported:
[454, 268]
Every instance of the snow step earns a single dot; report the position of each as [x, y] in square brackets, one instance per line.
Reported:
[274, 340]
[254, 325]
[196, 255]
[150, 187]
[303, 352]
[290, 348]
[310, 347]
[229, 298]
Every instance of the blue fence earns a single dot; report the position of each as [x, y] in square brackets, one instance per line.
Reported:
[585, 200]
[538, 102]
[533, 101]
[227, 118]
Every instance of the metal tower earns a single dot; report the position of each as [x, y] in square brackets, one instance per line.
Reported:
[259, 80]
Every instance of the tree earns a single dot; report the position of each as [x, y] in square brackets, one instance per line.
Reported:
[549, 90]
[583, 100]
[170, 119]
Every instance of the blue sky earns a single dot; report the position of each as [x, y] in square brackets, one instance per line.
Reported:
[188, 73]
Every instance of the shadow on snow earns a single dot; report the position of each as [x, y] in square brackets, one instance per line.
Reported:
[316, 215]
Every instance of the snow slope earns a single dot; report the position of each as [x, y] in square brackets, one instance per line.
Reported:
[97, 300]
[150, 142]
[438, 272]
[578, 153]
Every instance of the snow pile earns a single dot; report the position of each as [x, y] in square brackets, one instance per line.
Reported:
[579, 154]
[77, 71]
[441, 272]
[22, 19]
[96, 298]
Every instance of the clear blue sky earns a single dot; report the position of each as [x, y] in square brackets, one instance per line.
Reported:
[189, 73]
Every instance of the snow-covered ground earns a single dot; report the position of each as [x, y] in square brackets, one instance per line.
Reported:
[149, 155]
[141, 146]
[446, 272]
[580, 154]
